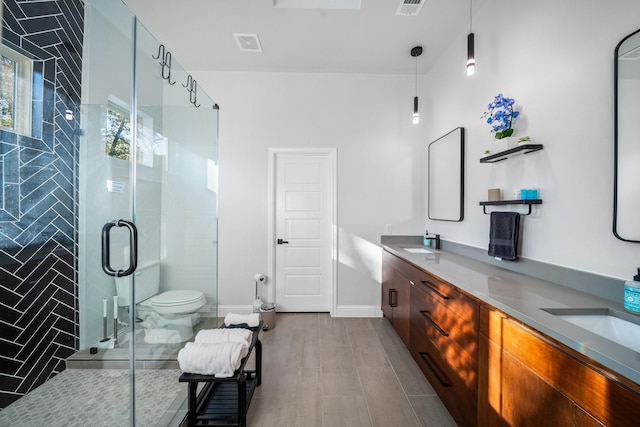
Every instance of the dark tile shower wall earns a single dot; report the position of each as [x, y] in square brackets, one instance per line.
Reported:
[38, 200]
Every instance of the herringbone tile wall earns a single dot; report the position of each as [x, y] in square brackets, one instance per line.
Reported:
[38, 200]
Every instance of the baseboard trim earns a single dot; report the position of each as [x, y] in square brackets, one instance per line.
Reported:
[341, 310]
[358, 311]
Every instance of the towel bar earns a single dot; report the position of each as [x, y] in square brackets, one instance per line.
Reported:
[510, 202]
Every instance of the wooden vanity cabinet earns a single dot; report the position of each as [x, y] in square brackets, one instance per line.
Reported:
[527, 379]
[444, 343]
[396, 299]
[491, 370]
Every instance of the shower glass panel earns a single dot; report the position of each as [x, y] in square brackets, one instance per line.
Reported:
[148, 155]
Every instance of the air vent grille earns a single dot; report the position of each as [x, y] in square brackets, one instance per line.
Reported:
[248, 42]
[409, 7]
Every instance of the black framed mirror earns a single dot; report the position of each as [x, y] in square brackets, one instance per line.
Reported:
[626, 180]
[446, 177]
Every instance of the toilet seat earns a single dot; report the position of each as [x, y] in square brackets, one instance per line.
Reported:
[177, 302]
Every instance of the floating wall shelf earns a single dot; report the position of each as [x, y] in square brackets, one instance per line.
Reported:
[510, 202]
[511, 152]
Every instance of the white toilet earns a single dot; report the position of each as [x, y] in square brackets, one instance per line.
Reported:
[168, 317]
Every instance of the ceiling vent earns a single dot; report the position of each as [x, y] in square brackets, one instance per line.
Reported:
[409, 7]
[248, 42]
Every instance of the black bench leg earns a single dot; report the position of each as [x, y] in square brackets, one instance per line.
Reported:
[193, 404]
[258, 362]
[242, 401]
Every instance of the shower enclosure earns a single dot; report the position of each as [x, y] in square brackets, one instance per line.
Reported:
[148, 160]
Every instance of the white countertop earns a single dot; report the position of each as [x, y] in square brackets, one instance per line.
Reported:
[522, 298]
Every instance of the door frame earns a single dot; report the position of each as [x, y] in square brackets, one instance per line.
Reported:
[271, 217]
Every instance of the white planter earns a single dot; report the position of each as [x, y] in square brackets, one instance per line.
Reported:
[511, 141]
[503, 144]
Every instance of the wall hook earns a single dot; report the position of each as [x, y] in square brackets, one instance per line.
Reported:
[167, 66]
[192, 88]
[160, 53]
[189, 80]
[165, 61]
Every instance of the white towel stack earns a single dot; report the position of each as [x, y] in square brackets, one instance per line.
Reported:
[252, 319]
[216, 352]
[212, 336]
[219, 359]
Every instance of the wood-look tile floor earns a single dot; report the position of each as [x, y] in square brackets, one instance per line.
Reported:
[324, 371]
[317, 371]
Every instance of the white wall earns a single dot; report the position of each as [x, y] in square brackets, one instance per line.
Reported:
[367, 118]
[555, 58]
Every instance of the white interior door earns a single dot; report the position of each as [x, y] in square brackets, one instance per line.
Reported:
[304, 223]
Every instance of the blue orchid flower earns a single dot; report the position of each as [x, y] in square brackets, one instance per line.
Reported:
[500, 114]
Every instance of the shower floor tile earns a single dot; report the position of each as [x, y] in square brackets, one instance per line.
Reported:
[99, 397]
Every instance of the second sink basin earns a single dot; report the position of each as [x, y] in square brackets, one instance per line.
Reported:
[417, 250]
[617, 326]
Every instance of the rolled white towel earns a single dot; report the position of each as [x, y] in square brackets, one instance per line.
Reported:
[219, 359]
[252, 319]
[239, 335]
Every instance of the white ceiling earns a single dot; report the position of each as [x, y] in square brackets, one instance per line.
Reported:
[372, 40]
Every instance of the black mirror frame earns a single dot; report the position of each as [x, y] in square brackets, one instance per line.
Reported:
[462, 155]
[615, 139]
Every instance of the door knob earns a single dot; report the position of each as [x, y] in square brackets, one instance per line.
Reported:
[281, 242]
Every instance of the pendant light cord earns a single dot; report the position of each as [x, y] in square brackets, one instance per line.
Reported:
[471, 16]
[416, 76]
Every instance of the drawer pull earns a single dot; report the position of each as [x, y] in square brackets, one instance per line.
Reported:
[392, 302]
[433, 322]
[433, 289]
[442, 379]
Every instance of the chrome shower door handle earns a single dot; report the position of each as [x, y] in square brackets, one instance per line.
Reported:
[106, 248]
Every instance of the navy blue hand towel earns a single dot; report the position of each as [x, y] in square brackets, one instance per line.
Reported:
[503, 235]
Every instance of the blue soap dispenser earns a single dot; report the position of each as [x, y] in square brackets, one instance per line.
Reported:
[632, 294]
[427, 240]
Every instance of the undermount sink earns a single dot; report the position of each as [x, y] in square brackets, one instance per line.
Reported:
[417, 250]
[617, 326]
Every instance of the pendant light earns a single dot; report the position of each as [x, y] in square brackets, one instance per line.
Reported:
[415, 52]
[471, 60]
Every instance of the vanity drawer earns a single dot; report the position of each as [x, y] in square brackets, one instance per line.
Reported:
[450, 308]
[449, 332]
[459, 397]
[461, 363]
[447, 295]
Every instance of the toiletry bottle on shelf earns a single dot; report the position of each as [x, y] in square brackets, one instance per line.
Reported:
[427, 240]
[632, 294]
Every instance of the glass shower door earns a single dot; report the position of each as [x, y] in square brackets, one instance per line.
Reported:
[106, 196]
[174, 206]
[148, 157]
